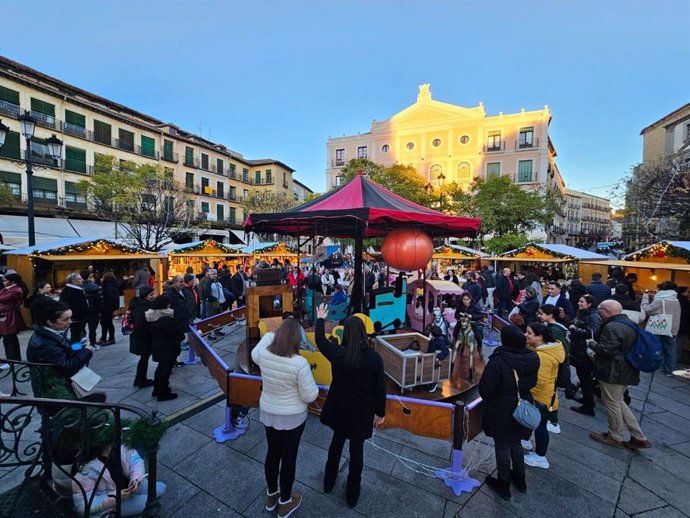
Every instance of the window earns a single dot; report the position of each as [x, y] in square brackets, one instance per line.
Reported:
[285, 182]
[257, 177]
[189, 181]
[245, 175]
[11, 147]
[205, 207]
[102, 133]
[188, 155]
[13, 181]
[245, 195]
[39, 153]
[526, 138]
[524, 171]
[205, 189]
[168, 150]
[43, 112]
[45, 190]
[269, 176]
[220, 189]
[232, 171]
[493, 141]
[465, 139]
[75, 159]
[169, 205]
[362, 152]
[220, 212]
[493, 169]
[233, 215]
[435, 171]
[670, 140]
[148, 146]
[9, 102]
[409, 146]
[75, 124]
[125, 140]
[168, 178]
[436, 142]
[464, 173]
[232, 194]
[74, 196]
[339, 157]
[385, 148]
[204, 161]
[220, 166]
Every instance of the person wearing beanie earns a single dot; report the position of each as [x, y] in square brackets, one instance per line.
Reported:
[499, 389]
[140, 339]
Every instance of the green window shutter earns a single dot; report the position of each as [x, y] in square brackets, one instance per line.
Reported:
[167, 149]
[233, 215]
[126, 141]
[148, 146]
[75, 118]
[102, 132]
[7, 177]
[204, 206]
[220, 212]
[189, 180]
[493, 169]
[524, 171]
[45, 184]
[71, 188]
[189, 155]
[75, 159]
[11, 96]
[257, 177]
[11, 147]
[43, 107]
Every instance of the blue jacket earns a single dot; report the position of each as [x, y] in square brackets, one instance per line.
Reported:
[439, 343]
[599, 291]
[474, 289]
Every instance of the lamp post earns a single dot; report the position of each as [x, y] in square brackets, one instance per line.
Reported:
[28, 126]
[441, 179]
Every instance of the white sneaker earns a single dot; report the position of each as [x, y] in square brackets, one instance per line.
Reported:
[433, 387]
[536, 461]
[553, 428]
[526, 445]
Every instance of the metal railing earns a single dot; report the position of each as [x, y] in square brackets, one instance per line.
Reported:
[170, 157]
[9, 109]
[338, 162]
[48, 121]
[42, 159]
[495, 148]
[76, 131]
[522, 146]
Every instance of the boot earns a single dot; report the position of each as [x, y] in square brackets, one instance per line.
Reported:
[329, 481]
[352, 494]
[518, 481]
[500, 487]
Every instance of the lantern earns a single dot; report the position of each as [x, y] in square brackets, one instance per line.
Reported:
[407, 249]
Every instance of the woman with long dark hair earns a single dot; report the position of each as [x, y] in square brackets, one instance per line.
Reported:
[356, 400]
[585, 325]
[12, 296]
[288, 387]
[42, 292]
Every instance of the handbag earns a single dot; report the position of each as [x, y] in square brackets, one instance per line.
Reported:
[525, 412]
[661, 323]
[84, 381]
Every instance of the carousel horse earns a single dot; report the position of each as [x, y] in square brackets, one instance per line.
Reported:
[465, 339]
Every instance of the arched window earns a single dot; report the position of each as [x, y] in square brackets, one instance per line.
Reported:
[435, 171]
[464, 173]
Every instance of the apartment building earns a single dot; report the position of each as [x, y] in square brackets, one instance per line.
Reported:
[217, 177]
[460, 143]
[300, 191]
[588, 218]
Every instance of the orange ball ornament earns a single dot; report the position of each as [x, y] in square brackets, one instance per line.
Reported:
[407, 249]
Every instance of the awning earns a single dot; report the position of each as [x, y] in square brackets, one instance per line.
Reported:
[641, 264]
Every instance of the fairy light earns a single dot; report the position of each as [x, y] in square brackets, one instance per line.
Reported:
[209, 244]
[99, 247]
[660, 250]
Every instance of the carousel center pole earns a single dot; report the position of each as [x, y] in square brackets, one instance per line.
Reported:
[357, 293]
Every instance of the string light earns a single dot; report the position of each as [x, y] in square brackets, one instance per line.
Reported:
[279, 249]
[208, 245]
[534, 250]
[100, 247]
[660, 250]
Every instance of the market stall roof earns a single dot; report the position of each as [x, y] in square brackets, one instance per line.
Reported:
[207, 248]
[547, 253]
[439, 286]
[457, 252]
[360, 203]
[274, 249]
[640, 264]
[83, 248]
[662, 249]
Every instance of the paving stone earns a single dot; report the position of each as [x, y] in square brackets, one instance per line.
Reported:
[666, 428]
[683, 448]
[672, 406]
[659, 481]
[663, 512]
[668, 459]
[636, 499]
[578, 473]
[678, 394]
[589, 453]
[482, 504]
[179, 491]
[207, 420]
[203, 504]
[180, 442]
[452, 510]
[435, 447]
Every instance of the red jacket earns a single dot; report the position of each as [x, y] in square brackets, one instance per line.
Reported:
[11, 320]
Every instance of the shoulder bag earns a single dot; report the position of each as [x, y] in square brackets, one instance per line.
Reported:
[525, 412]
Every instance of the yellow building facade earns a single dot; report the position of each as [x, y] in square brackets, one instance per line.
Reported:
[218, 178]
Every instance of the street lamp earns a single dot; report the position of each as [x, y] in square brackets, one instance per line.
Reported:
[28, 126]
[441, 179]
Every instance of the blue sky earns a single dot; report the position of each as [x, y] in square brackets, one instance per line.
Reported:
[277, 78]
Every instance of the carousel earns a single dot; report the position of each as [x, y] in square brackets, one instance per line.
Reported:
[200, 253]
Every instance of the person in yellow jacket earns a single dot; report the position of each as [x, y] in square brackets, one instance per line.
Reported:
[551, 354]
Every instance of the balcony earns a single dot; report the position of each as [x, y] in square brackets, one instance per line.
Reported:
[206, 216]
[232, 196]
[170, 157]
[232, 174]
[76, 131]
[495, 147]
[149, 154]
[107, 141]
[524, 179]
[205, 190]
[338, 162]
[45, 160]
[74, 166]
[9, 109]
[47, 121]
[526, 146]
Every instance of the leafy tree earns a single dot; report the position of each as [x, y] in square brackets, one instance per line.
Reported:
[261, 202]
[7, 197]
[143, 200]
[403, 180]
[500, 244]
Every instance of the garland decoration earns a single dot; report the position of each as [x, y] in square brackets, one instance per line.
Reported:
[100, 247]
[276, 249]
[533, 249]
[660, 250]
[209, 244]
[144, 433]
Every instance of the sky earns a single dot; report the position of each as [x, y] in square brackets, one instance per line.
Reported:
[277, 78]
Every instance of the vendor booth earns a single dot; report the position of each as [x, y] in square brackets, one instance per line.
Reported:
[200, 253]
[456, 256]
[270, 251]
[53, 261]
[544, 259]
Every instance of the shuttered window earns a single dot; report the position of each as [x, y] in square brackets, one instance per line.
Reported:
[11, 96]
[126, 141]
[74, 195]
[11, 147]
[76, 119]
[189, 156]
[257, 177]
[102, 133]
[13, 181]
[233, 215]
[219, 165]
[45, 190]
[220, 212]
[42, 107]
[524, 171]
[148, 146]
[167, 150]
[204, 161]
[75, 159]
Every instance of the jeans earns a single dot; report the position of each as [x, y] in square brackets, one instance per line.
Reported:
[507, 451]
[135, 504]
[541, 436]
[618, 413]
[354, 474]
[12, 351]
[490, 297]
[668, 346]
[281, 459]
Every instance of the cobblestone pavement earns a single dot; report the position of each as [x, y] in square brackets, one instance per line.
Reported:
[585, 478]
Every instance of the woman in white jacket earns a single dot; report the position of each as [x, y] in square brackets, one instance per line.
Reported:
[288, 387]
[665, 302]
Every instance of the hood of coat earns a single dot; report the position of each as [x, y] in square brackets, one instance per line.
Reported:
[519, 359]
[666, 295]
[153, 315]
[554, 349]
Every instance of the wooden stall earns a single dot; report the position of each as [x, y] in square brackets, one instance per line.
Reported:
[198, 253]
[457, 257]
[53, 261]
[270, 251]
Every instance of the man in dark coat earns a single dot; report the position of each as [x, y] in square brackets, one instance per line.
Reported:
[94, 299]
[140, 339]
[178, 303]
[237, 286]
[499, 391]
[598, 289]
[505, 291]
[558, 299]
[75, 297]
[615, 373]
